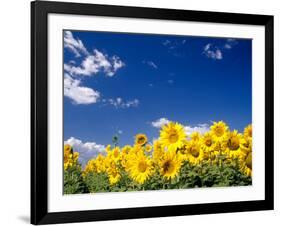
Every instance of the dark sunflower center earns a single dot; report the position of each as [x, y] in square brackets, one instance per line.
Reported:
[168, 167]
[219, 131]
[249, 161]
[173, 137]
[141, 140]
[114, 173]
[142, 166]
[233, 143]
[250, 132]
[115, 153]
[195, 152]
[208, 142]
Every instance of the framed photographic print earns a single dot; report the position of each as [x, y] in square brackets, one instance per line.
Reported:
[144, 112]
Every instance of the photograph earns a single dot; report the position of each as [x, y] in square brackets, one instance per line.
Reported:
[140, 112]
[145, 112]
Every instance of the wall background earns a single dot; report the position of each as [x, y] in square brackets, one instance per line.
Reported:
[15, 113]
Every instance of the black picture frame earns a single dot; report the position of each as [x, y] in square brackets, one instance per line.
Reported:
[39, 112]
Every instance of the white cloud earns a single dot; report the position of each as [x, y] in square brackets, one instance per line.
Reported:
[120, 103]
[175, 47]
[201, 128]
[116, 64]
[94, 63]
[174, 44]
[86, 150]
[207, 47]
[230, 43]
[74, 45]
[166, 42]
[227, 46]
[160, 122]
[212, 52]
[151, 64]
[215, 52]
[79, 94]
[91, 64]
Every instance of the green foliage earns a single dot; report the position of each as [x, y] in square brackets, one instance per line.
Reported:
[97, 182]
[73, 181]
[202, 175]
[212, 175]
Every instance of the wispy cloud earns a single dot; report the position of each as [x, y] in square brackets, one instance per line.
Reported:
[151, 64]
[212, 52]
[76, 46]
[166, 42]
[91, 64]
[174, 46]
[216, 52]
[95, 63]
[87, 150]
[200, 128]
[120, 103]
[77, 93]
[230, 43]
[160, 122]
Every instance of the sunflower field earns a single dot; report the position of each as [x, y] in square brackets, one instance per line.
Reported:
[219, 157]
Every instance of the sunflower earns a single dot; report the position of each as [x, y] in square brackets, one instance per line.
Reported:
[90, 166]
[219, 129]
[66, 157]
[208, 142]
[195, 136]
[248, 131]
[75, 157]
[170, 164]
[70, 158]
[208, 145]
[67, 149]
[108, 148]
[246, 145]
[108, 161]
[124, 155]
[148, 148]
[67, 164]
[115, 154]
[246, 164]
[127, 159]
[232, 145]
[140, 139]
[182, 152]
[100, 163]
[141, 168]
[195, 154]
[126, 149]
[113, 175]
[172, 136]
[157, 151]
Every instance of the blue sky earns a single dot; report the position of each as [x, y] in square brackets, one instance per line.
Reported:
[117, 83]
